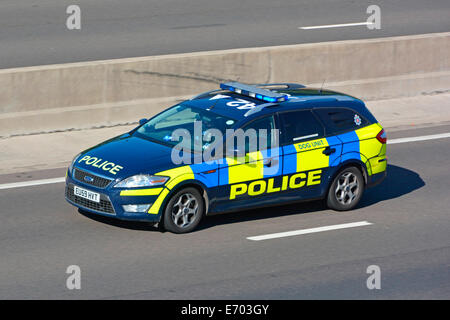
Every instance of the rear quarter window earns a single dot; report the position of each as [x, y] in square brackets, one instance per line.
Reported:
[338, 120]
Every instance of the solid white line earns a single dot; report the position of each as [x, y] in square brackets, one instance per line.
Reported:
[421, 138]
[307, 231]
[337, 25]
[31, 183]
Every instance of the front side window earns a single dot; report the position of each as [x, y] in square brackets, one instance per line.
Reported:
[195, 121]
[259, 134]
[299, 126]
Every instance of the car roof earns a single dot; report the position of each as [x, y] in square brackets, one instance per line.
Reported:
[237, 106]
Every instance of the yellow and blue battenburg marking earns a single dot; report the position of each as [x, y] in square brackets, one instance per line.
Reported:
[206, 173]
[309, 155]
[297, 165]
[362, 145]
[372, 149]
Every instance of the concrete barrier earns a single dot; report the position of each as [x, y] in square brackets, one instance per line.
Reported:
[104, 93]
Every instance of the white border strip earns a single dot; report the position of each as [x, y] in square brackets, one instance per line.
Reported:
[306, 137]
[421, 138]
[307, 231]
[31, 183]
[337, 25]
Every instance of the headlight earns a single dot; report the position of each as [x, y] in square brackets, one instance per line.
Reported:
[141, 180]
[73, 161]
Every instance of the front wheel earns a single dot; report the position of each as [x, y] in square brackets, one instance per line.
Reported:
[184, 211]
[346, 190]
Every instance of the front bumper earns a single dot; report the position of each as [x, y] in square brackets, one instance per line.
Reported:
[111, 202]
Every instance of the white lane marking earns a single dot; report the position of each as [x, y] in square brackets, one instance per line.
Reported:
[337, 25]
[307, 231]
[421, 138]
[62, 179]
[31, 183]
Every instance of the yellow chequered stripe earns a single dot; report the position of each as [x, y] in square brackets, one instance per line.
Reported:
[176, 175]
[370, 148]
[369, 131]
[141, 192]
[314, 157]
[379, 164]
[250, 167]
[154, 209]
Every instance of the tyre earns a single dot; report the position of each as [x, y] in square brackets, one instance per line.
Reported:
[184, 211]
[346, 190]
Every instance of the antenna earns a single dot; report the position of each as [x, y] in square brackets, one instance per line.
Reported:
[323, 82]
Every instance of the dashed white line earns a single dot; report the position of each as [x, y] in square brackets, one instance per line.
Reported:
[31, 183]
[420, 138]
[307, 231]
[62, 179]
[337, 25]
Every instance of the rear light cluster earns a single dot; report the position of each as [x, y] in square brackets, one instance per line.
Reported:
[381, 136]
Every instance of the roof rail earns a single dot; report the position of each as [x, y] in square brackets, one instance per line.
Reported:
[287, 84]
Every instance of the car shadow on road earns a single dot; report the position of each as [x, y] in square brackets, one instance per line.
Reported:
[131, 225]
[263, 213]
[399, 181]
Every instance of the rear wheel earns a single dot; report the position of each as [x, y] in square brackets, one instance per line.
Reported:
[346, 190]
[184, 211]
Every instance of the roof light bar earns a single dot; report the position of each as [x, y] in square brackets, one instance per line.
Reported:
[254, 92]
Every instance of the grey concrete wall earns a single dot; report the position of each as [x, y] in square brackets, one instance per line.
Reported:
[89, 94]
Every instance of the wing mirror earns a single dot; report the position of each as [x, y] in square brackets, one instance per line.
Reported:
[142, 121]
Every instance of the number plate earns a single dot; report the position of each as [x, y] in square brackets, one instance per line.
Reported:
[86, 194]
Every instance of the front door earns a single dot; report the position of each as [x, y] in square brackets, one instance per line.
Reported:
[250, 180]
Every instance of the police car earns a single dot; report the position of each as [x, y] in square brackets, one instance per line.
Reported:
[328, 146]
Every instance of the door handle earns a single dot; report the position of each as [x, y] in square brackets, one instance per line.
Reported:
[328, 151]
[267, 162]
[270, 162]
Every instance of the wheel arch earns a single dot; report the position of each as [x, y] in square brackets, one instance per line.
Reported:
[186, 184]
[349, 163]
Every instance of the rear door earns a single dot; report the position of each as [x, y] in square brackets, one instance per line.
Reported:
[357, 134]
[307, 154]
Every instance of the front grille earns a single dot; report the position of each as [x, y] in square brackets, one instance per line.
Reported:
[97, 181]
[103, 206]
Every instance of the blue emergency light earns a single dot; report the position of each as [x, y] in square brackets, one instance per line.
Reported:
[254, 92]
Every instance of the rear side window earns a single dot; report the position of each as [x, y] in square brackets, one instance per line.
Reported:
[338, 120]
[300, 126]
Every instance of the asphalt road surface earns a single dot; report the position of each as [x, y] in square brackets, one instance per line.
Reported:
[408, 238]
[34, 32]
